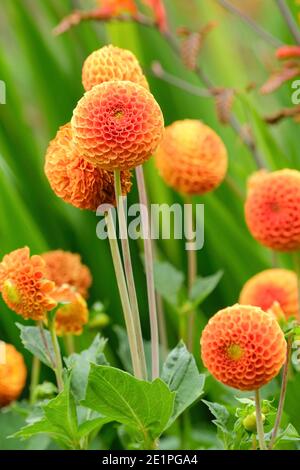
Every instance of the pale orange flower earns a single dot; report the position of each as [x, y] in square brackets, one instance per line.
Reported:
[12, 374]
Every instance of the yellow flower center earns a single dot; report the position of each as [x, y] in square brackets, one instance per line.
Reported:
[235, 352]
[12, 292]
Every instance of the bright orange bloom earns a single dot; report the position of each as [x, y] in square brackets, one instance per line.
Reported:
[77, 181]
[270, 286]
[24, 286]
[243, 347]
[117, 125]
[12, 374]
[64, 267]
[71, 317]
[272, 210]
[116, 7]
[111, 63]
[192, 158]
[288, 52]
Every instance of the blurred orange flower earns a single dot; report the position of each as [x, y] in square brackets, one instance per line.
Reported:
[64, 267]
[24, 286]
[77, 181]
[73, 314]
[111, 63]
[243, 347]
[272, 210]
[12, 374]
[270, 286]
[117, 125]
[116, 7]
[191, 158]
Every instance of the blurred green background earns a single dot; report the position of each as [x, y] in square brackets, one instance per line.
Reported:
[43, 79]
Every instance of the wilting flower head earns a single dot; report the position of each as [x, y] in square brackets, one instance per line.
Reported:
[24, 286]
[12, 374]
[73, 315]
[111, 63]
[243, 347]
[191, 158]
[270, 286]
[272, 210]
[117, 125]
[77, 181]
[64, 267]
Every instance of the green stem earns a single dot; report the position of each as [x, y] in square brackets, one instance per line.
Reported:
[129, 273]
[121, 281]
[192, 270]
[35, 377]
[259, 422]
[69, 344]
[145, 222]
[58, 362]
[284, 383]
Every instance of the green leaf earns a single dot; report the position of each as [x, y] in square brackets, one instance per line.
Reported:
[181, 374]
[38, 342]
[89, 426]
[220, 413]
[287, 435]
[145, 408]
[168, 281]
[79, 364]
[203, 287]
[59, 421]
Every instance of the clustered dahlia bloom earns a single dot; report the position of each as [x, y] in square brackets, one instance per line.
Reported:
[192, 158]
[270, 286]
[12, 374]
[272, 210]
[243, 347]
[24, 286]
[117, 125]
[73, 313]
[64, 267]
[77, 181]
[111, 63]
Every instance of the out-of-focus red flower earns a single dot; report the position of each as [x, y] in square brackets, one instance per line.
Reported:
[116, 7]
[24, 286]
[288, 52]
[160, 14]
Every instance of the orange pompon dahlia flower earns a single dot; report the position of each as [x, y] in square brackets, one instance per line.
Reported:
[111, 63]
[73, 314]
[272, 210]
[12, 374]
[192, 158]
[64, 267]
[243, 347]
[77, 181]
[24, 286]
[272, 286]
[116, 7]
[117, 125]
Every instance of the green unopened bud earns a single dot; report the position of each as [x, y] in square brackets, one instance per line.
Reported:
[249, 422]
[99, 321]
[44, 391]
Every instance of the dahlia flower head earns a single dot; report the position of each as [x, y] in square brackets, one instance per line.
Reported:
[111, 63]
[271, 287]
[272, 209]
[24, 285]
[243, 347]
[192, 158]
[117, 125]
[74, 179]
[64, 267]
[72, 314]
[12, 374]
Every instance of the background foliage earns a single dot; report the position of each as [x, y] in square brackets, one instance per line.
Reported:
[43, 78]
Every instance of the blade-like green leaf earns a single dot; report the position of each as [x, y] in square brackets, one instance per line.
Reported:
[38, 342]
[181, 374]
[203, 287]
[168, 281]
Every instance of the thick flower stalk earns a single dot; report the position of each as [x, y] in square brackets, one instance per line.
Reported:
[117, 125]
[12, 374]
[243, 347]
[272, 210]
[24, 285]
[77, 181]
[111, 63]
[274, 289]
[192, 158]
